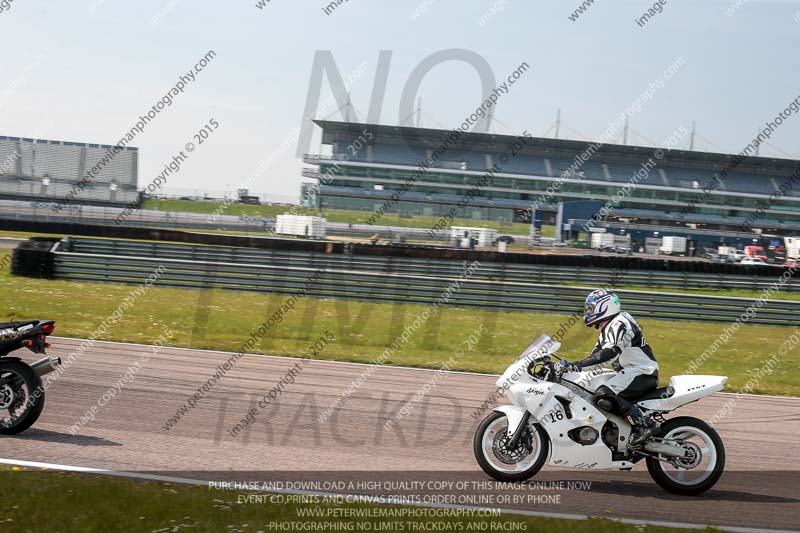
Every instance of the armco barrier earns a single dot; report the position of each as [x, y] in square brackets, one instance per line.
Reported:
[617, 263]
[517, 272]
[391, 281]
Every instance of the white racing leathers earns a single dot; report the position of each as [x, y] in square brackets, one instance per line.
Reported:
[633, 356]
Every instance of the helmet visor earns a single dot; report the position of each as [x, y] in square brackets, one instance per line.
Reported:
[589, 307]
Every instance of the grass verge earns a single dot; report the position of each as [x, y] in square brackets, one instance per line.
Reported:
[223, 320]
[66, 502]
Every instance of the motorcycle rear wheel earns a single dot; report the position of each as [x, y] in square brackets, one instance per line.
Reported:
[695, 479]
[21, 396]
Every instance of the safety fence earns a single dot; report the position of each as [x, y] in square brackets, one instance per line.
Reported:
[539, 288]
[448, 268]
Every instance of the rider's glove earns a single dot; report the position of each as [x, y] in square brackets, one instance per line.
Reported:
[566, 366]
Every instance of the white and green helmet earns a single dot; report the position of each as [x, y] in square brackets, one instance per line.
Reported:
[600, 305]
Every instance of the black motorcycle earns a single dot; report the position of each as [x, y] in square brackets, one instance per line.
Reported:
[21, 388]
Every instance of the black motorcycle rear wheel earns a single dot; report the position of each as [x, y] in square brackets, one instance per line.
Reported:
[21, 397]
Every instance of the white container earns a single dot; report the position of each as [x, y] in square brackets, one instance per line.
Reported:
[792, 247]
[300, 226]
[600, 240]
[673, 245]
[652, 245]
[726, 250]
[485, 236]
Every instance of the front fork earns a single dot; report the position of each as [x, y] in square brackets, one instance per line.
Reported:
[518, 418]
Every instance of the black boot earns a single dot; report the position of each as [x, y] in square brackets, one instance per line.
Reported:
[644, 426]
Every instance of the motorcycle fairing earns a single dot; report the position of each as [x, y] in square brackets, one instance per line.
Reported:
[688, 388]
[542, 400]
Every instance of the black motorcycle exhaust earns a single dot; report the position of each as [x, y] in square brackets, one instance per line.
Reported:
[42, 367]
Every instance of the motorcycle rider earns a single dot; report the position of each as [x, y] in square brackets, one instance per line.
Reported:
[620, 342]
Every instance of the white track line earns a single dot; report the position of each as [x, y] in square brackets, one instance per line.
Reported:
[228, 354]
[521, 512]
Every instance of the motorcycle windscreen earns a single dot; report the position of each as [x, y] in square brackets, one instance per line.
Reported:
[542, 346]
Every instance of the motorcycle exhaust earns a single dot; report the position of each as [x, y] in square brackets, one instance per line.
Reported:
[42, 367]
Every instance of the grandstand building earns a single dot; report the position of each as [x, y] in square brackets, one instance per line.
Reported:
[383, 175]
[50, 171]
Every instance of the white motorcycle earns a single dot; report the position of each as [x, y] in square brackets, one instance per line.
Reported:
[553, 419]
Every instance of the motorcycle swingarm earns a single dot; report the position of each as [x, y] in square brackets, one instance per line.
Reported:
[659, 446]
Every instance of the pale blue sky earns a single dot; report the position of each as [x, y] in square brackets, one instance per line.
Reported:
[85, 70]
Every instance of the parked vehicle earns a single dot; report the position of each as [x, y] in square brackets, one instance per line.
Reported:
[21, 390]
[737, 255]
[752, 261]
[755, 252]
[252, 200]
[724, 259]
[553, 419]
[626, 250]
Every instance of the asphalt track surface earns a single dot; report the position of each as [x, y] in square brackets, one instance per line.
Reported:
[287, 441]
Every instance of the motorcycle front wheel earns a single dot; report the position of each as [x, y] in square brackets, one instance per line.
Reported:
[496, 459]
[700, 471]
[21, 397]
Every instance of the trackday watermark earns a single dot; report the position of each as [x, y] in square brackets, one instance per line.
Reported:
[332, 6]
[639, 175]
[294, 136]
[20, 81]
[430, 311]
[746, 316]
[469, 343]
[11, 160]
[762, 371]
[173, 167]
[421, 9]
[115, 317]
[656, 9]
[511, 151]
[5, 5]
[111, 152]
[580, 10]
[735, 7]
[349, 153]
[115, 390]
[572, 172]
[480, 113]
[314, 350]
[499, 6]
[166, 10]
[736, 161]
[761, 211]
[255, 335]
